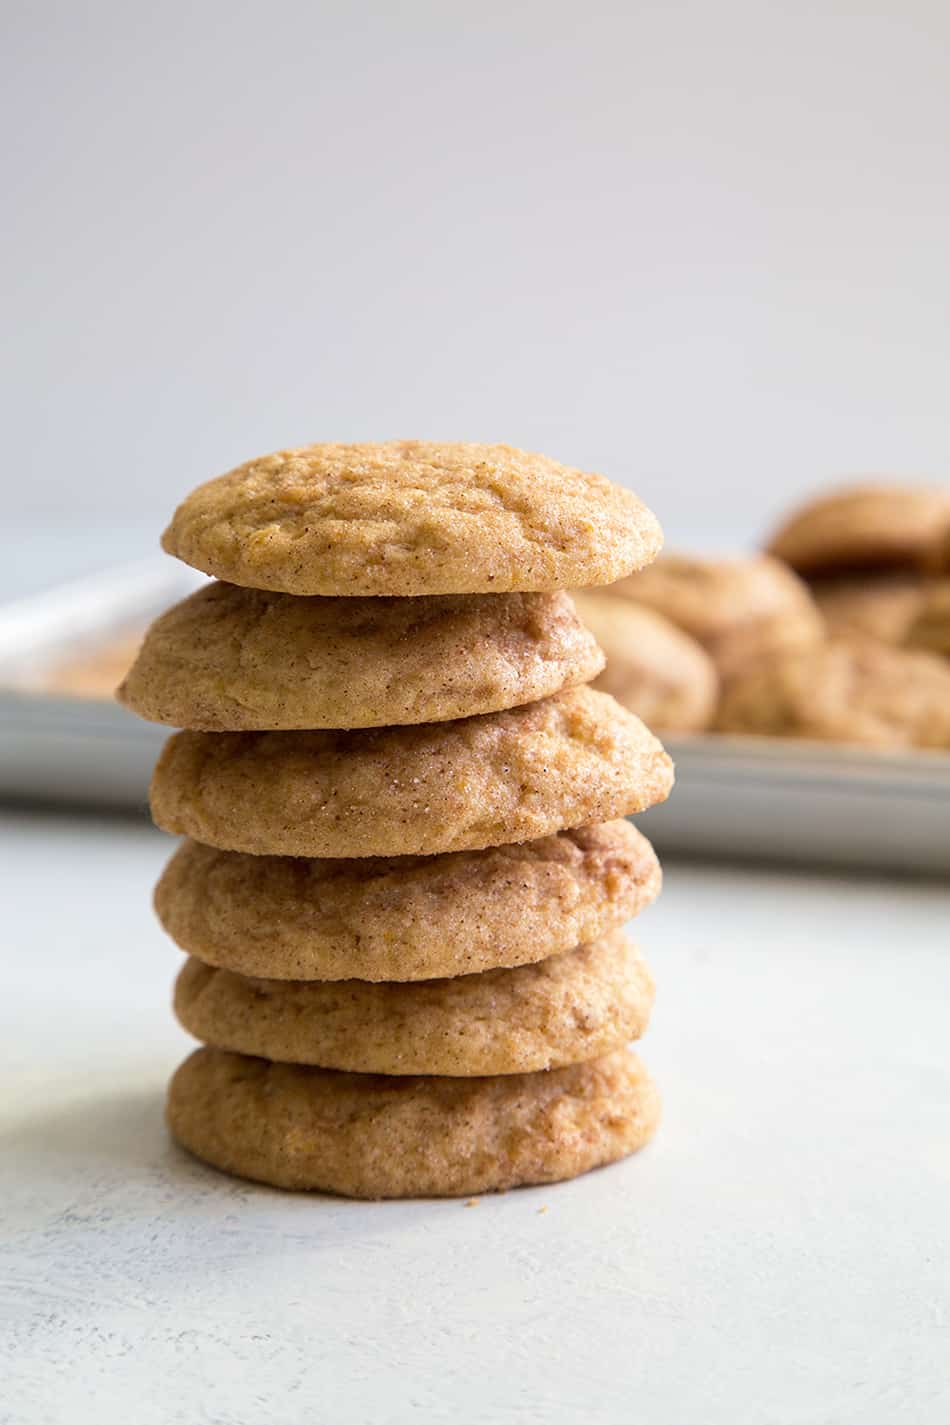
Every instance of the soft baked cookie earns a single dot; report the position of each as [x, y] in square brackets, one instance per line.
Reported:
[563, 1010]
[844, 691]
[408, 917]
[232, 659]
[931, 628]
[372, 1136]
[739, 609]
[938, 556]
[568, 761]
[412, 517]
[869, 526]
[881, 606]
[653, 668]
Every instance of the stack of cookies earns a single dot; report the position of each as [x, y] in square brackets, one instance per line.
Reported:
[406, 864]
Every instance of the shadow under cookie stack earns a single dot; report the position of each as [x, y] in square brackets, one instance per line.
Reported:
[407, 861]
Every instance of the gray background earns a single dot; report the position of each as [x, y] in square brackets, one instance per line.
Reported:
[701, 247]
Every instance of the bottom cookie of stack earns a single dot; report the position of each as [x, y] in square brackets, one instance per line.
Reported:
[374, 1136]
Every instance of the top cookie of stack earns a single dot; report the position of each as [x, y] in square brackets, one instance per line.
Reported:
[406, 518]
[390, 669]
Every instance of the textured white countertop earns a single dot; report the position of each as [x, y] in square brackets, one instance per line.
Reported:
[780, 1255]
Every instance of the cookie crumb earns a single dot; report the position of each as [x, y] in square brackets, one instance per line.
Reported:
[473, 1202]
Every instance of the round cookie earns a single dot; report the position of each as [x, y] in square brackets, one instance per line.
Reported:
[409, 917]
[232, 659]
[844, 691]
[881, 606]
[740, 609]
[866, 526]
[563, 1010]
[412, 517]
[653, 668]
[373, 1136]
[930, 629]
[568, 761]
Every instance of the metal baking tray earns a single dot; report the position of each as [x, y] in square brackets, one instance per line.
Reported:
[735, 797]
[70, 749]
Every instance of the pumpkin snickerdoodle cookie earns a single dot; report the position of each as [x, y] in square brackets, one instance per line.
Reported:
[877, 605]
[930, 629]
[371, 1136]
[740, 609]
[865, 526]
[938, 557]
[569, 760]
[406, 917]
[233, 659]
[845, 691]
[563, 1010]
[653, 668]
[411, 517]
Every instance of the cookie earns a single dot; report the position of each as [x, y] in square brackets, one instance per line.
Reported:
[410, 917]
[866, 526]
[930, 629]
[372, 1136]
[412, 517]
[653, 668]
[232, 659]
[568, 761]
[845, 691]
[881, 606]
[740, 609]
[563, 1010]
[938, 556]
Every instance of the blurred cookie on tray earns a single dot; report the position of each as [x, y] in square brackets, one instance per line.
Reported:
[938, 559]
[653, 668]
[866, 550]
[739, 609]
[930, 629]
[880, 606]
[845, 690]
[864, 526]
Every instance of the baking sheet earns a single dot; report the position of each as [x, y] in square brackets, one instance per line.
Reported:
[735, 797]
[60, 748]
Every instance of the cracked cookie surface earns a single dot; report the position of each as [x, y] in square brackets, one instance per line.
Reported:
[412, 517]
[406, 917]
[375, 1136]
[562, 1010]
[229, 659]
[570, 760]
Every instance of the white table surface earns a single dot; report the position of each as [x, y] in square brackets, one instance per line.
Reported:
[778, 1256]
